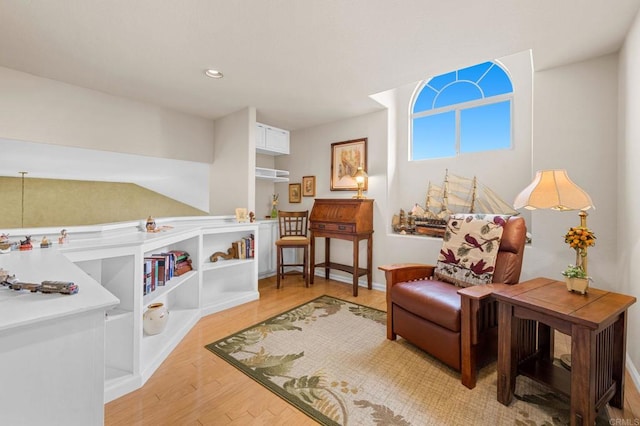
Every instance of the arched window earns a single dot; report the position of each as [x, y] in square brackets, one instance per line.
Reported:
[463, 111]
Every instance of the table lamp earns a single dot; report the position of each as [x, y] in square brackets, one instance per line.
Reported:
[360, 177]
[552, 189]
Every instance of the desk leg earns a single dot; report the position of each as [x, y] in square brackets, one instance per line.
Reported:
[583, 367]
[327, 257]
[356, 256]
[506, 353]
[312, 259]
[369, 260]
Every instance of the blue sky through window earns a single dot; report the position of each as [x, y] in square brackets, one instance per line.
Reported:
[461, 100]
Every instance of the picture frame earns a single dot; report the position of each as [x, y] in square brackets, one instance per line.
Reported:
[295, 191]
[308, 186]
[346, 157]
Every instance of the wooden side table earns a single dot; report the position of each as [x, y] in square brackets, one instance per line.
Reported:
[528, 313]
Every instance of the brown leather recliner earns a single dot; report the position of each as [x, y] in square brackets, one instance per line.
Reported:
[456, 325]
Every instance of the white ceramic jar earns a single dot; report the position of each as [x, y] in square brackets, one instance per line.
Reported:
[154, 320]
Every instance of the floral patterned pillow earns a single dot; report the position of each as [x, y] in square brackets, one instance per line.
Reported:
[470, 248]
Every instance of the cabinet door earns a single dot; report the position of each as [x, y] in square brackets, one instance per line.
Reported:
[277, 140]
[266, 249]
[260, 136]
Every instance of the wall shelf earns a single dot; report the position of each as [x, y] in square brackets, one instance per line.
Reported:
[272, 174]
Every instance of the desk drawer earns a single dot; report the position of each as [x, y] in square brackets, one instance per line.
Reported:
[334, 227]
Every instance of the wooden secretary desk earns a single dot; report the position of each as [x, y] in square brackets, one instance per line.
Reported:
[346, 219]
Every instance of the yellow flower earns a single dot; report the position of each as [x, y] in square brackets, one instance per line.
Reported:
[579, 238]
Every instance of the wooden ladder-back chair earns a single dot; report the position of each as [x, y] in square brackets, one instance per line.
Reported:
[293, 235]
[454, 324]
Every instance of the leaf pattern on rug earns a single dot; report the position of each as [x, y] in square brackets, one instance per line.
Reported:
[315, 391]
[329, 304]
[383, 415]
[265, 364]
[368, 313]
[238, 342]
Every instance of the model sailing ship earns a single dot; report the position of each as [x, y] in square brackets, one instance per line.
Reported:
[456, 195]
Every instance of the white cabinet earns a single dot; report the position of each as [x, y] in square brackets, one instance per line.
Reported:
[271, 140]
[268, 232]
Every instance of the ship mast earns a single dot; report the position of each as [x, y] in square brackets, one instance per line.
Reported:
[473, 197]
[445, 196]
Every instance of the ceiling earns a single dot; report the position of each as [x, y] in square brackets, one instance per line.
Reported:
[301, 63]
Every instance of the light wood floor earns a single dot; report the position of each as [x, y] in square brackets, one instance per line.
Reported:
[195, 387]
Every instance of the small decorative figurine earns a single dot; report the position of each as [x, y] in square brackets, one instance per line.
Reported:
[45, 243]
[252, 217]
[5, 245]
[26, 243]
[63, 238]
[151, 224]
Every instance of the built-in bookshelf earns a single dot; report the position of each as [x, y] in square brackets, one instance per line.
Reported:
[118, 262]
[228, 282]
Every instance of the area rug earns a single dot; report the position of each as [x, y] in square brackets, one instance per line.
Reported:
[331, 359]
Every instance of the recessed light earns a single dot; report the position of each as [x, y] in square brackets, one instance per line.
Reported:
[213, 73]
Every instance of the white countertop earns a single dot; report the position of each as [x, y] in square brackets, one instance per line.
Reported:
[20, 308]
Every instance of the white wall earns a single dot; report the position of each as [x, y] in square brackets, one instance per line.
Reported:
[37, 109]
[232, 182]
[575, 128]
[74, 133]
[628, 206]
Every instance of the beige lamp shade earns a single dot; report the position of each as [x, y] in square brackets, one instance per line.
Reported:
[552, 189]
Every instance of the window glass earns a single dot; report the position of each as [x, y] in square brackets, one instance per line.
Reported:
[438, 131]
[485, 127]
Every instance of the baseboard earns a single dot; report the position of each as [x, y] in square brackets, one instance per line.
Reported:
[362, 282]
[633, 373]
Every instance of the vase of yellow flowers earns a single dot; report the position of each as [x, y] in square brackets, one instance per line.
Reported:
[579, 238]
[274, 204]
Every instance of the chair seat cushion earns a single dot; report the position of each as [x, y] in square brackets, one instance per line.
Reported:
[293, 241]
[436, 301]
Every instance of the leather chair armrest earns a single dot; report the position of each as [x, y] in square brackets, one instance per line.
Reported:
[401, 272]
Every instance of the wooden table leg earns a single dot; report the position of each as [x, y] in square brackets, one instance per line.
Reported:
[369, 261]
[327, 257]
[506, 353]
[312, 258]
[583, 369]
[356, 256]
[619, 353]
[545, 341]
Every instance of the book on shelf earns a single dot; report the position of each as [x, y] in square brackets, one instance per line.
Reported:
[244, 248]
[159, 268]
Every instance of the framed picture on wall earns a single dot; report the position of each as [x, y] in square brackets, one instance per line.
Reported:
[295, 189]
[308, 186]
[346, 157]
